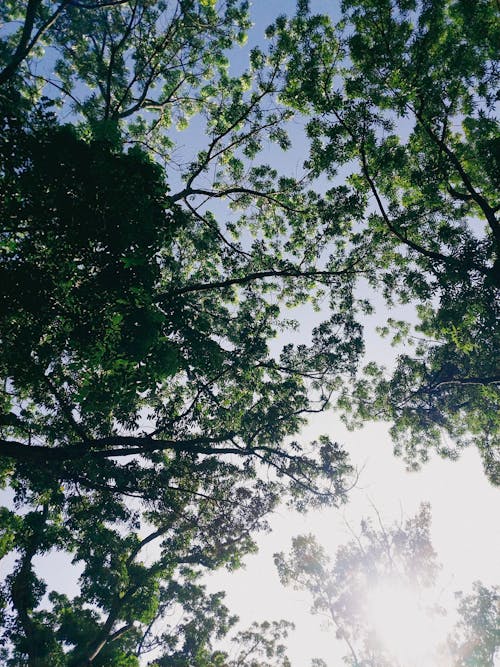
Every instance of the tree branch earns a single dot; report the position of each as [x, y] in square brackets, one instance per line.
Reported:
[25, 44]
[114, 446]
[256, 275]
[235, 190]
[483, 204]
[481, 381]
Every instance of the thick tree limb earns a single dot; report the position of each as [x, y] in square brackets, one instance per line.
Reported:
[113, 446]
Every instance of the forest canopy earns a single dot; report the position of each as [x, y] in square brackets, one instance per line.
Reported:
[154, 384]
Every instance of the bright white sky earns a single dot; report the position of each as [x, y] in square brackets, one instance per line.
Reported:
[465, 533]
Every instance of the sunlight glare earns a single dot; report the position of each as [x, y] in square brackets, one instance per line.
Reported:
[403, 625]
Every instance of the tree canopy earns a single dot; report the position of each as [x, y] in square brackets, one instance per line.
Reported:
[140, 402]
[403, 99]
[147, 425]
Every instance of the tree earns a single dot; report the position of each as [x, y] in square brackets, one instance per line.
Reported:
[403, 94]
[377, 594]
[140, 403]
[401, 554]
[181, 284]
[476, 638]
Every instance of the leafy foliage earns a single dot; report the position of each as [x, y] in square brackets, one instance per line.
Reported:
[476, 638]
[403, 98]
[146, 429]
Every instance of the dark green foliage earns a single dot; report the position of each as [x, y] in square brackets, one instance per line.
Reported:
[145, 426]
[83, 227]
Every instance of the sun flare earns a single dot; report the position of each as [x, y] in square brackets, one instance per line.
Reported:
[402, 623]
